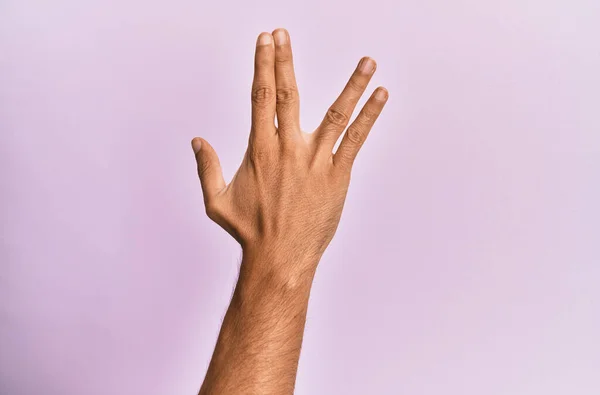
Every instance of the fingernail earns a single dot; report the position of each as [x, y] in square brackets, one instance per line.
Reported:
[367, 65]
[381, 94]
[196, 145]
[265, 39]
[280, 37]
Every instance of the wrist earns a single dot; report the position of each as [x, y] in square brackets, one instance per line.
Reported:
[275, 266]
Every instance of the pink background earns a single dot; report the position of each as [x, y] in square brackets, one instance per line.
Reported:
[467, 259]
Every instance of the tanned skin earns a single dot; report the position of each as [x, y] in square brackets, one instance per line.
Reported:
[283, 206]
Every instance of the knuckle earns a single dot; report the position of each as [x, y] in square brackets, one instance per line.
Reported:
[283, 56]
[292, 153]
[344, 159]
[367, 117]
[336, 117]
[286, 95]
[205, 167]
[355, 84]
[355, 135]
[257, 155]
[262, 95]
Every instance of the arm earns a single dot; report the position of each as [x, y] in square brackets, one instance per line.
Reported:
[283, 206]
[259, 345]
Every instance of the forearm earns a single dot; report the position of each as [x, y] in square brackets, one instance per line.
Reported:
[259, 344]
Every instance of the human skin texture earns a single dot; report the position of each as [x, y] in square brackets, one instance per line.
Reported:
[283, 206]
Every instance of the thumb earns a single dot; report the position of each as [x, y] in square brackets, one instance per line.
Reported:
[209, 168]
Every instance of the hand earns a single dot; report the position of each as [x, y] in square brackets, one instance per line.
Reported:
[288, 194]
